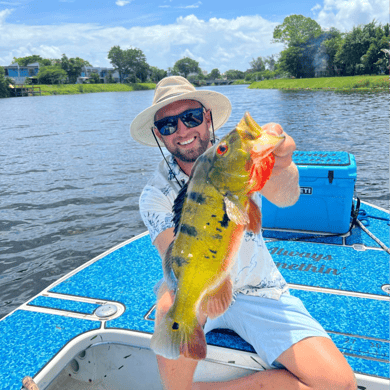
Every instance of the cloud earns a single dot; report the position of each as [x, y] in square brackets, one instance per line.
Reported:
[345, 14]
[316, 7]
[214, 43]
[121, 3]
[196, 5]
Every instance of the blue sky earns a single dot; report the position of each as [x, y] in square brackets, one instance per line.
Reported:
[218, 34]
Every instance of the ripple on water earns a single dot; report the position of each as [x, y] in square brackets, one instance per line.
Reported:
[71, 177]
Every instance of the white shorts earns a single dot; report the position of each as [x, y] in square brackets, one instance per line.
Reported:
[270, 326]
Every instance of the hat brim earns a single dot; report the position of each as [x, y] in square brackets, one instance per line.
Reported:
[141, 127]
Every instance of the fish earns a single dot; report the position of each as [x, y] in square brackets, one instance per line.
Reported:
[211, 213]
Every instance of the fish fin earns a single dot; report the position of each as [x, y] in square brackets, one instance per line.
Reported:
[178, 206]
[172, 339]
[169, 275]
[260, 173]
[219, 299]
[235, 212]
[254, 213]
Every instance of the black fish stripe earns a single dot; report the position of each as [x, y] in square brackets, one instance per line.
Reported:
[189, 230]
[179, 261]
[197, 197]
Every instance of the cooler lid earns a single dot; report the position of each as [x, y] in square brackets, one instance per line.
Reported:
[323, 163]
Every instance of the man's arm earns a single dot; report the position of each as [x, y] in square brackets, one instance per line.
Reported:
[282, 188]
[163, 241]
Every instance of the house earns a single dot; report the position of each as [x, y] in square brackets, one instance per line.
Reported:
[103, 73]
[20, 73]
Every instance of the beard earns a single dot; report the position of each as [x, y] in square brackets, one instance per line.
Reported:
[191, 155]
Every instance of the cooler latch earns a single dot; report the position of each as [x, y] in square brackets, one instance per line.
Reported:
[330, 176]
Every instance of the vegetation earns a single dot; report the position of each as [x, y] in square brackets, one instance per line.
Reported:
[68, 89]
[327, 83]
[185, 66]
[130, 63]
[4, 82]
[310, 52]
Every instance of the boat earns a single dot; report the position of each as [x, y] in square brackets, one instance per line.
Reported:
[91, 329]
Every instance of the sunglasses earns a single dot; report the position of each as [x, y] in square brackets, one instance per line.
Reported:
[190, 118]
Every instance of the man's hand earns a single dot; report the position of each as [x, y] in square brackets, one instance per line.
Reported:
[283, 153]
[282, 188]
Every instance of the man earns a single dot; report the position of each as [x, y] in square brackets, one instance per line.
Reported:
[264, 314]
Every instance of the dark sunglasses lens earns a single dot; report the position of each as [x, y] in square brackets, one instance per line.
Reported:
[191, 118]
[166, 126]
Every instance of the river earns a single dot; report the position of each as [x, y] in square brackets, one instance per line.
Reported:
[70, 175]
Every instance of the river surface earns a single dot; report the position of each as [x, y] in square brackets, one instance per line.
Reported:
[70, 175]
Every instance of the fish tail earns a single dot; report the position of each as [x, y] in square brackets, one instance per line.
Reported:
[172, 339]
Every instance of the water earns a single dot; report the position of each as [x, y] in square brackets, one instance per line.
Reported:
[70, 175]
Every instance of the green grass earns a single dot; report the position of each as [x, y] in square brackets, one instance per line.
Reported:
[71, 89]
[239, 82]
[327, 83]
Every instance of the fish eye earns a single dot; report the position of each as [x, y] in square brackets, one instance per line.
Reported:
[222, 148]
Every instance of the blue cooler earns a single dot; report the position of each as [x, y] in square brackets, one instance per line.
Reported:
[327, 181]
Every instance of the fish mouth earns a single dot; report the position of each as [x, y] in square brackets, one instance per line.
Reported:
[255, 139]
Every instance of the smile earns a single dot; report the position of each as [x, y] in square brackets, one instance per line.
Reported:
[187, 142]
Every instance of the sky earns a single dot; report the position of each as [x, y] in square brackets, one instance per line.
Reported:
[218, 34]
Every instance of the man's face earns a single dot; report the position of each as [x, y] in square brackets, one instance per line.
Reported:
[186, 144]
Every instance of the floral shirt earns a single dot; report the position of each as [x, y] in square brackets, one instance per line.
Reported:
[254, 272]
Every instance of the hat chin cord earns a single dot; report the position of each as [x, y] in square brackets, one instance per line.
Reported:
[169, 167]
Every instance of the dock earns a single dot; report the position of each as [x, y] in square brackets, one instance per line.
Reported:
[25, 90]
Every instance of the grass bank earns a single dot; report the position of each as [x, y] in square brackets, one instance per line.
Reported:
[72, 89]
[350, 83]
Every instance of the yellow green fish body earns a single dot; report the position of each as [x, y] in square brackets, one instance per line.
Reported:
[212, 214]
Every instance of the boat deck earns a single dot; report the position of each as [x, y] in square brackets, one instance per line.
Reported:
[343, 282]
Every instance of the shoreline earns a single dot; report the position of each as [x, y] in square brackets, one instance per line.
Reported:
[75, 89]
[343, 84]
[348, 83]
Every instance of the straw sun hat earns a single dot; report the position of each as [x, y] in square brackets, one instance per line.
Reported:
[172, 89]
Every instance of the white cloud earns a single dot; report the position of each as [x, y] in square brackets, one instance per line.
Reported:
[316, 7]
[196, 5]
[121, 3]
[344, 14]
[214, 43]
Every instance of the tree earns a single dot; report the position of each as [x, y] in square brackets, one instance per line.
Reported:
[185, 66]
[72, 66]
[94, 78]
[157, 74]
[376, 59]
[117, 59]
[214, 74]
[331, 45]
[353, 48]
[131, 64]
[4, 83]
[233, 74]
[270, 62]
[51, 75]
[136, 66]
[24, 61]
[291, 60]
[295, 30]
[257, 65]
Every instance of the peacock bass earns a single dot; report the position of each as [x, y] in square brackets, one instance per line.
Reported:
[211, 214]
